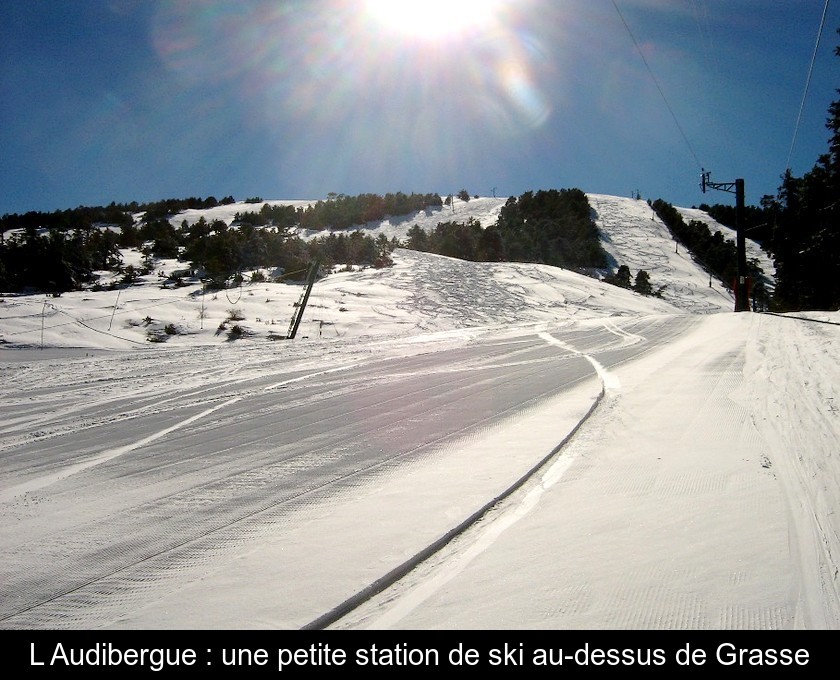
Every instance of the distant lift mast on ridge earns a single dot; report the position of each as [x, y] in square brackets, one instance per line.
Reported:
[742, 302]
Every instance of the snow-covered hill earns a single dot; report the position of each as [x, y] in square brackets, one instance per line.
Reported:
[700, 494]
[633, 235]
[421, 293]
[631, 232]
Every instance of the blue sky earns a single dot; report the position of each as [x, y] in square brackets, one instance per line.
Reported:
[122, 100]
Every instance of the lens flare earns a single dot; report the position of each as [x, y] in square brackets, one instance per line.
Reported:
[433, 19]
[383, 89]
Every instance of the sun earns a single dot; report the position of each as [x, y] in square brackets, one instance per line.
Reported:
[432, 19]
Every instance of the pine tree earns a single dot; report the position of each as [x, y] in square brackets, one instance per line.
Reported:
[622, 276]
[806, 240]
[642, 285]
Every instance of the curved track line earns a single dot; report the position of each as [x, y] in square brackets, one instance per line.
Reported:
[409, 565]
[609, 380]
[554, 470]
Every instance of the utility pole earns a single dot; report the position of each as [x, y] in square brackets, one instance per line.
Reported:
[115, 310]
[310, 280]
[742, 302]
[43, 311]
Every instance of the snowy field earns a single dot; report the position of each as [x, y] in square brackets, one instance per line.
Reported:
[445, 445]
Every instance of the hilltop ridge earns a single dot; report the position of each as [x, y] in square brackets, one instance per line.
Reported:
[630, 232]
[421, 293]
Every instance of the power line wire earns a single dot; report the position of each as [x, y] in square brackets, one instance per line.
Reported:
[807, 85]
[710, 58]
[658, 86]
[705, 40]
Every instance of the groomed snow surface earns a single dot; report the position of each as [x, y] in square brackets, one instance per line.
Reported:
[445, 445]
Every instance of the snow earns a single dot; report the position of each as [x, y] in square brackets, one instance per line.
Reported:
[690, 483]
[754, 250]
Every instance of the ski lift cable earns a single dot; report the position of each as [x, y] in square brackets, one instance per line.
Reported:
[712, 66]
[227, 295]
[658, 86]
[701, 17]
[807, 85]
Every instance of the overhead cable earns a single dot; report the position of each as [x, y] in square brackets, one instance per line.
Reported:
[658, 86]
[807, 85]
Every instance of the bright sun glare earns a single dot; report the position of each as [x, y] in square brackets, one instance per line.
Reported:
[432, 19]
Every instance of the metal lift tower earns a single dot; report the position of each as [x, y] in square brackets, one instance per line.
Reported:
[742, 301]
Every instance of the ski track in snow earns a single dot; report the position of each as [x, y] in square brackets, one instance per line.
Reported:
[498, 521]
[762, 397]
[609, 472]
[794, 374]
